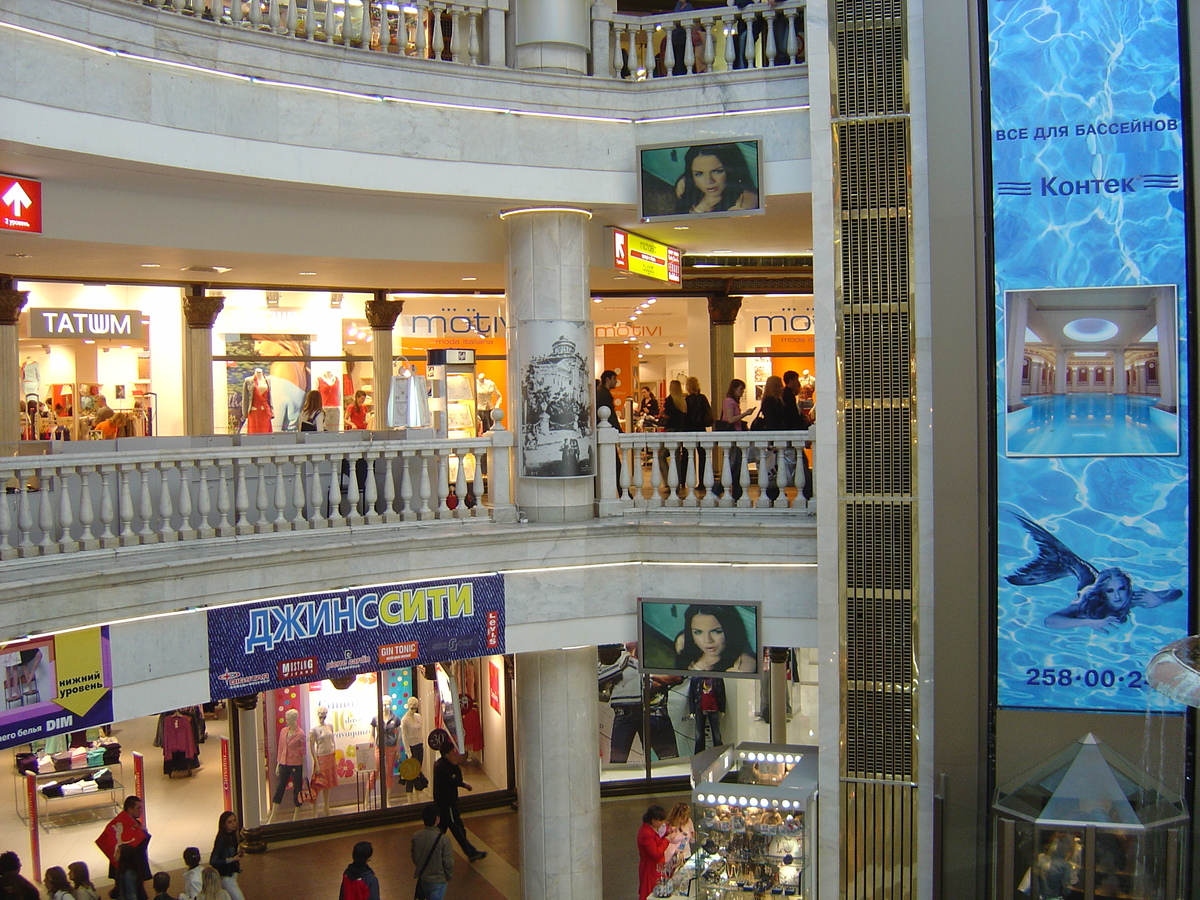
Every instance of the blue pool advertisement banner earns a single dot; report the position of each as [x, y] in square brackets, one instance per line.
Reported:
[255, 647]
[1092, 381]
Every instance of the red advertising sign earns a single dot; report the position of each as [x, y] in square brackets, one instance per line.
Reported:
[226, 775]
[20, 204]
[35, 840]
[494, 685]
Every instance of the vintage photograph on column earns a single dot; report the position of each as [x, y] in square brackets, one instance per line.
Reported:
[557, 395]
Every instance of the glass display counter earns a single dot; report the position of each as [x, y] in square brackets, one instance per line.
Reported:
[754, 811]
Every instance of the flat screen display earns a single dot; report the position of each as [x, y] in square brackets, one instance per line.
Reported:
[687, 181]
[686, 637]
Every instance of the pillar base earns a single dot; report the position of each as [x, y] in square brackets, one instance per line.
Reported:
[545, 56]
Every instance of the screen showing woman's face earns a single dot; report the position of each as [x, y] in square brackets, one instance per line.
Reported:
[709, 635]
[708, 174]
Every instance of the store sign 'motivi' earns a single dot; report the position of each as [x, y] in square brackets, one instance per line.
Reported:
[86, 323]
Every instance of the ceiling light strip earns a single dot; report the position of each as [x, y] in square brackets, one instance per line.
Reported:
[411, 101]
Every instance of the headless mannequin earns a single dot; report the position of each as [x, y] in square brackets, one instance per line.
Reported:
[387, 742]
[321, 746]
[411, 733]
[286, 764]
[256, 403]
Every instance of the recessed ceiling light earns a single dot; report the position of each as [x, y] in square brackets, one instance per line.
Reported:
[641, 356]
[348, 341]
[682, 227]
[88, 341]
[647, 346]
[597, 299]
[681, 345]
[620, 277]
[633, 318]
[306, 273]
[469, 278]
[652, 300]
[151, 266]
[210, 270]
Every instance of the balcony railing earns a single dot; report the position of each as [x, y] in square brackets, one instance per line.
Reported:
[471, 32]
[712, 472]
[89, 495]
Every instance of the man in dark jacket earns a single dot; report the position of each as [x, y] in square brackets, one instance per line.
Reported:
[447, 779]
[359, 875]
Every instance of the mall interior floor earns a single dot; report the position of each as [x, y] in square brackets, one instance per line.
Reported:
[311, 870]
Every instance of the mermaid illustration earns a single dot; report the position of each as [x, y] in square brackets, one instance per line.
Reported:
[1104, 597]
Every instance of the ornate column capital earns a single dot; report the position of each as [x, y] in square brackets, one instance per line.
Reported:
[201, 311]
[11, 302]
[723, 309]
[382, 313]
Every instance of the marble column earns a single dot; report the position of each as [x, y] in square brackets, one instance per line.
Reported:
[12, 302]
[722, 314]
[382, 314]
[200, 311]
[1120, 382]
[553, 36]
[778, 658]
[547, 284]
[1168, 351]
[558, 775]
[251, 756]
[1016, 323]
[1060, 371]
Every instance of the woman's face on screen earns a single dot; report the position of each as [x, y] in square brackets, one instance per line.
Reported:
[708, 175]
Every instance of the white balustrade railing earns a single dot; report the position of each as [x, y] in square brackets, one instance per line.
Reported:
[472, 32]
[706, 470]
[692, 42]
[70, 501]
[467, 31]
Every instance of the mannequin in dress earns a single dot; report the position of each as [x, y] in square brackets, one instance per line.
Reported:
[487, 395]
[330, 387]
[412, 734]
[321, 746]
[289, 761]
[387, 742]
[31, 377]
[256, 403]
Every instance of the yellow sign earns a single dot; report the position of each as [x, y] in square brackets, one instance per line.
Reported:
[80, 668]
[642, 256]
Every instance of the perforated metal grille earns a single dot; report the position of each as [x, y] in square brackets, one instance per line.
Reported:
[876, 347]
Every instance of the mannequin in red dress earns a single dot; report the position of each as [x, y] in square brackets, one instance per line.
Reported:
[256, 401]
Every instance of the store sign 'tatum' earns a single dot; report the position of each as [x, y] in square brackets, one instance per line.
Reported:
[112, 324]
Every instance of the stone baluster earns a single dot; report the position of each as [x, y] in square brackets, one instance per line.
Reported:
[204, 527]
[273, 17]
[262, 523]
[298, 517]
[423, 19]
[235, 12]
[460, 486]
[108, 536]
[648, 52]
[256, 19]
[426, 489]
[291, 19]
[766, 457]
[385, 28]
[442, 460]
[707, 477]
[224, 470]
[47, 544]
[626, 467]
[337, 463]
[769, 47]
[693, 478]
[330, 30]
[801, 478]
[618, 59]
[473, 47]
[241, 499]
[389, 490]
[166, 508]
[186, 531]
[66, 516]
[439, 42]
[793, 42]
[145, 506]
[710, 44]
[669, 48]
[729, 29]
[354, 490]
[315, 517]
[656, 476]
[24, 514]
[407, 513]
[7, 550]
[726, 498]
[125, 505]
[477, 484]
[280, 522]
[89, 540]
[370, 490]
[310, 20]
[744, 478]
[456, 47]
[689, 49]
[672, 474]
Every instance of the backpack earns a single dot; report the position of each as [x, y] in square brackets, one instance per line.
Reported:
[354, 888]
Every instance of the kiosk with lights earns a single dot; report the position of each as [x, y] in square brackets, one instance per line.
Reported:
[755, 813]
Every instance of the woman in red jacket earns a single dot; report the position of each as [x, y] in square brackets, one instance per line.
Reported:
[653, 844]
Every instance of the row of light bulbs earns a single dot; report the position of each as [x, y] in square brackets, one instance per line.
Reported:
[722, 800]
[757, 756]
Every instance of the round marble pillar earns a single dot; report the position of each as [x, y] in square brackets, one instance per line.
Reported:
[547, 283]
[553, 35]
[558, 774]
[12, 302]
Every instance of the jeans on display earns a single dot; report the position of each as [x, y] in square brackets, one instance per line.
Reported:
[230, 883]
[452, 822]
[713, 721]
[433, 890]
[627, 722]
[296, 775]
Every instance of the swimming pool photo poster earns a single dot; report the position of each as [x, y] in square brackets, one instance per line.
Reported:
[1091, 371]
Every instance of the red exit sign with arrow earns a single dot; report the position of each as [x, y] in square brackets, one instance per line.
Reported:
[20, 204]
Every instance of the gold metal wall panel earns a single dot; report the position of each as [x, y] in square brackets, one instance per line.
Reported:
[881, 723]
[881, 849]
[875, 659]
[867, 52]
[879, 546]
[875, 261]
